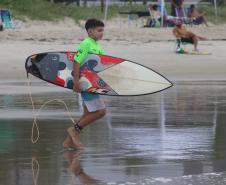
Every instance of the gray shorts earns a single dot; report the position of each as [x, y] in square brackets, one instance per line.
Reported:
[93, 104]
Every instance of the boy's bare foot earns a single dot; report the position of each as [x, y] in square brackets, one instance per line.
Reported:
[75, 138]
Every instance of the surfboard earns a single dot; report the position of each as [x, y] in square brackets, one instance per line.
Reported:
[101, 74]
[187, 52]
[197, 53]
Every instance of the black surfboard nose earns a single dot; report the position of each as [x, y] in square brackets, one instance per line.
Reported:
[32, 68]
[44, 66]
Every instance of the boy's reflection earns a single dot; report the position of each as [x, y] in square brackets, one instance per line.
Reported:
[72, 157]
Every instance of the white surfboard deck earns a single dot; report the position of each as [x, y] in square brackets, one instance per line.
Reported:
[128, 78]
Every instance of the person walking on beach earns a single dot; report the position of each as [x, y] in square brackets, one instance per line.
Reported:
[93, 105]
[183, 35]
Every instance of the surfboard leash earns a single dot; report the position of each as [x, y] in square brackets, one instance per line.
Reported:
[35, 170]
[34, 124]
[36, 113]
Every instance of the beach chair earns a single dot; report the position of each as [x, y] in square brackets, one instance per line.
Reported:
[154, 18]
[6, 19]
[155, 21]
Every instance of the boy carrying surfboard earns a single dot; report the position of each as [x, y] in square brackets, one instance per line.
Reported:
[94, 106]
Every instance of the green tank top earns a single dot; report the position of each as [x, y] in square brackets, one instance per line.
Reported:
[87, 46]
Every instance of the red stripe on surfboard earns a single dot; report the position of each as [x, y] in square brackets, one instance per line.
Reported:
[96, 82]
[70, 55]
[59, 81]
[110, 60]
[104, 59]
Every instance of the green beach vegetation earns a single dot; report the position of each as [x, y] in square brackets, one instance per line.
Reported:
[45, 10]
[54, 10]
[209, 12]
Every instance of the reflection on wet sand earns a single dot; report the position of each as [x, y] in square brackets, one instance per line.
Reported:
[35, 170]
[174, 137]
[74, 166]
[220, 140]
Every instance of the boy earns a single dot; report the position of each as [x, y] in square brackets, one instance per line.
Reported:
[183, 35]
[94, 107]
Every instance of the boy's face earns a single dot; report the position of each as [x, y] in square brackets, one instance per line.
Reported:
[96, 33]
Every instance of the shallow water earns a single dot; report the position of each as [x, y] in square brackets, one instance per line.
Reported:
[174, 137]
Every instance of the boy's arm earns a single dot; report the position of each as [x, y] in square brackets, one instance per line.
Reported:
[79, 58]
[76, 73]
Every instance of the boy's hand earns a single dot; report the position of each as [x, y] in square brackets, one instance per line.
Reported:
[76, 87]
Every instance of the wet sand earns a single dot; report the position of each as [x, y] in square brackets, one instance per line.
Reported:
[174, 137]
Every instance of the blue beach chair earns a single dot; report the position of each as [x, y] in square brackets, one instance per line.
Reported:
[6, 19]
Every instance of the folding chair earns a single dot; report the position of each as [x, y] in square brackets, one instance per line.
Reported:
[153, 19]
[6, 19]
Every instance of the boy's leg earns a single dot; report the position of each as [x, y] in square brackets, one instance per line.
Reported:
[85, 112]
[86, 119]
[68, 142]
[75, 137]
[93, 110]
[91, 117]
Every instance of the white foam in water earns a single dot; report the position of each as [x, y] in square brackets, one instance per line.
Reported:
[130, 183]
[162, 179]
[111, 183]
[201, 179]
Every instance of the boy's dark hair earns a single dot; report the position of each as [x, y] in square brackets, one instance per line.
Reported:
[93, 23]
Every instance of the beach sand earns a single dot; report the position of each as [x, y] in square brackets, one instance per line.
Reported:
[153, 47]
